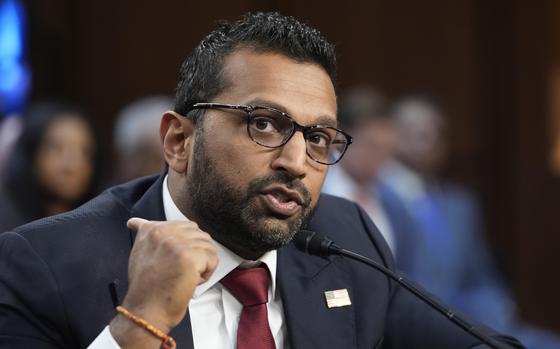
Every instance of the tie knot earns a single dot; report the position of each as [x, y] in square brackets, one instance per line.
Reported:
[248, 286]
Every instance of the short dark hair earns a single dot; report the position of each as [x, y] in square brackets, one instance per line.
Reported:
[201, 75]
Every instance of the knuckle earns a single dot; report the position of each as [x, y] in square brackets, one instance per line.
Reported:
[169, 245]
[159, 225]
[212, 249]
[155, 234]
[184, 259]
[192, 224]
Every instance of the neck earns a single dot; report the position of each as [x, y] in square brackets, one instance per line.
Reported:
[360, 183]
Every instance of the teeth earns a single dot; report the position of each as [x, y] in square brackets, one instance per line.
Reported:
[280, 196]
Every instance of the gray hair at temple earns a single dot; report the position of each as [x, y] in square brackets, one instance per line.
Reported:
[136, 137]
[358, 104]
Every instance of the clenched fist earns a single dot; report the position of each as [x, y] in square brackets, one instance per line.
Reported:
[167, 262]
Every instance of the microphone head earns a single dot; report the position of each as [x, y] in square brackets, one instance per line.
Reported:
[313, 243]
[301, 240]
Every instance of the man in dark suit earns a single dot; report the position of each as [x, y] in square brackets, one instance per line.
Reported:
[362, 111]
[246, 162]
[455, 262]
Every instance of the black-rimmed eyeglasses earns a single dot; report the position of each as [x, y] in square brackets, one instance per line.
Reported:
[273, 128]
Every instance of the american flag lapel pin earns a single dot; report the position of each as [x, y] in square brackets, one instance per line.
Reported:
[337, 298]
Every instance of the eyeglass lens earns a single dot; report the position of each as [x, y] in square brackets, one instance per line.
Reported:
[271, 128]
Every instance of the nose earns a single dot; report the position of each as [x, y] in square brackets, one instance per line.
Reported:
[292, 157]
[70, 155]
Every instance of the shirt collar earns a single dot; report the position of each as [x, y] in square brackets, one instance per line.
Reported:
[227, 260]
[340, 183]
[408, 184]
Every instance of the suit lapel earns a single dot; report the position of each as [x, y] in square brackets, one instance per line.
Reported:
[182, 333]
[150, 206]
[303, 280]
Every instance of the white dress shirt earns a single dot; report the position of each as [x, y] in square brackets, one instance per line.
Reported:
[213, 310]
[339, 183]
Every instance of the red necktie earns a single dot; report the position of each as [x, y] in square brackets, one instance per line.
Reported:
[250, 288]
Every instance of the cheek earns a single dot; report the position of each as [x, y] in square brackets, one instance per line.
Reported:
[84, 172]
[239, 170]
[46, 167]
[314, 183]
[65, 176]
[239, 159]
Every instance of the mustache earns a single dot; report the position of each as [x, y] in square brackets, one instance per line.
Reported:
[257, 185]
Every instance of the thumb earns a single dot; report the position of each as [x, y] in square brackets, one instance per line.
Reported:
[135, 223]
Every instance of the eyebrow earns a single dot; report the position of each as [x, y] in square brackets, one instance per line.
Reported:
[323, 120]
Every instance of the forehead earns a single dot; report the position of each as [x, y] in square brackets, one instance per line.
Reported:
[418, 116]
[66, 126]
[304, 90]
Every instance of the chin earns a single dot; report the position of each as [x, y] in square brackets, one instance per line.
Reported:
[278, 229]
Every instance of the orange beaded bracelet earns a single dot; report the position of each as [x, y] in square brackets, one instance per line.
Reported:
[167, 342]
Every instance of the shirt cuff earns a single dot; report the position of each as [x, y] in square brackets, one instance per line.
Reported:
[105, 340]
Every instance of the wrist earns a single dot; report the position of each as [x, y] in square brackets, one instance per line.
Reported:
[139, 329]
[129, 335]
[152, 315]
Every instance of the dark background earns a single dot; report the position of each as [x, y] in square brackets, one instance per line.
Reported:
[491, 62]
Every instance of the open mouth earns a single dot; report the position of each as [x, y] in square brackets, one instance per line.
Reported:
[282, 201]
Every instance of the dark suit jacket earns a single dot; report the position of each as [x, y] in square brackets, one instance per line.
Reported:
[11, 215]
[61, 277]
[405, 230]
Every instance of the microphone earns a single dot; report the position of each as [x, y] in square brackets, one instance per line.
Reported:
[316, 244]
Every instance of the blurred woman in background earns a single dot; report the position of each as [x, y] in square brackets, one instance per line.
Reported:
[54, 165]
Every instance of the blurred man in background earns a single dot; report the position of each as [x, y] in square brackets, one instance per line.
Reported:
[136, 138]
[456, 263]
[363, 111]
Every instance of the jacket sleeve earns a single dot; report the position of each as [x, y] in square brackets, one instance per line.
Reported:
[31, 310]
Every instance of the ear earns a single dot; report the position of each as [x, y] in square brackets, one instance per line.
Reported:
[176, 133]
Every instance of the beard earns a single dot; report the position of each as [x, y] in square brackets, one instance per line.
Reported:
[237, 218]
